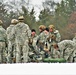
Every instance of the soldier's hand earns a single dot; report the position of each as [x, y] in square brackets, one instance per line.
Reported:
[52, 36]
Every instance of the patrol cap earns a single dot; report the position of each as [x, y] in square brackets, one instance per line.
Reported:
[42, 27]
[1, 22]
[14, 21]
[33, 30]
[52, 26]
[47, 29]
[21, 18]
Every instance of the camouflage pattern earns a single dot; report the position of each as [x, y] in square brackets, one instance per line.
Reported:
[73, 56]
[43, 44]
[57, 36]
[55, 32]
[11, 44]
[33, 52]
[2, 45]
[42, 38]
[55, 53]
[21, 33]
[67, 47]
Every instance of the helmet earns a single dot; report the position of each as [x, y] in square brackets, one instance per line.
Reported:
[1, 22]
[21, 18]
[42, 27]
[52, 26]
[14, 21]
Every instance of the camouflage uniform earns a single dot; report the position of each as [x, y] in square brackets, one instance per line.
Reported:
[74, 53]
[55, 52]
[39, 42]
[54, 36]
[33, 52]
[44, 44]
[2, 44]
[67, 48]
[73, 57]
[11, 42]
[55, 32]
[21, 33]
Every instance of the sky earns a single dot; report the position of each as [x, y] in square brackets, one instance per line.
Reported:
[38, 5]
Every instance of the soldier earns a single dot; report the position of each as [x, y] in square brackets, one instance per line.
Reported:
[43, 42]
[34, 37]
[40, 38]
[21, 32]
[67, 47]
[2, 43]
[52, 30]
[55, 51]
[54, 36]
[32, 44]
[11, 42]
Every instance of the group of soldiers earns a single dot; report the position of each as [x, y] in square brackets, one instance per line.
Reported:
[20, 44]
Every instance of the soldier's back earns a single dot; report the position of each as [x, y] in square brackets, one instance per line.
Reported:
[21, 32]
[9, 31]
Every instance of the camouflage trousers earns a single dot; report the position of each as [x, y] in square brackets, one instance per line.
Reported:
[11, 52]
[2, 52]
[22, 53]
[69, 55]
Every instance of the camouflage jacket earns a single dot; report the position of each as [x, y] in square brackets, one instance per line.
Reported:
[74, 39]
[21, 32]
[34, 40]
[2, 34]
[43, 37]
[66, 47]
[8, 32]
[57, 35]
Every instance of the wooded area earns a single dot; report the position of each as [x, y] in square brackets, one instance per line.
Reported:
[62, 15]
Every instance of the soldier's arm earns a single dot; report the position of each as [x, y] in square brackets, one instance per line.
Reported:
[28, 31]
[12, 34]
[58, 37]
[38, 38]
[4, 34]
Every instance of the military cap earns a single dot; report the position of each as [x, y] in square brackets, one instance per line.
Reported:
[42, 27]
[21, 18]
[51, 26]
[14, 21]
[1, 22]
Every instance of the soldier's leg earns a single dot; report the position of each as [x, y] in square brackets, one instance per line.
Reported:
[74, 56]
[0, 52]
[4, 52]
[18, 53]
[25, 53]
[9, 60]
[14, 54]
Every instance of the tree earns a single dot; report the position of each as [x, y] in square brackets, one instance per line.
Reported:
[3, 14]
[29, 17]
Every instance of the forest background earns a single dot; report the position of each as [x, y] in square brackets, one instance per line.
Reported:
[61, 14]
